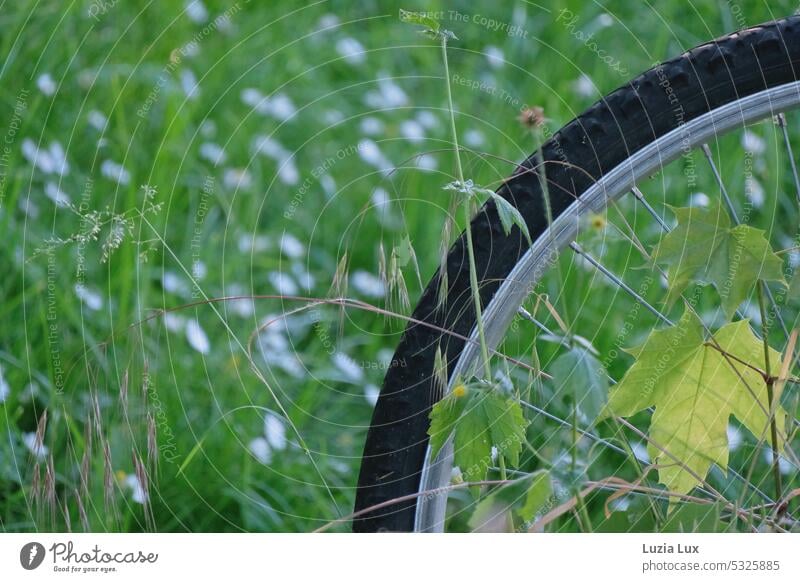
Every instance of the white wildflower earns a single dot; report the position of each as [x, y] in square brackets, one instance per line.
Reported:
[97, 120]
[494, 56]
[189, 84]
[46, 84]
[54, 193]
[367, 284]
[751, 142]
[351, 50]
[275, 432]
[291, 246]
[213, 153]
[196, 11]
[259, 448]
[348, 367]
[5, 389]
[197, 337]
[37, 448]
[371, 393]
[114, 171]
[91, 299]
[372, 126]
[412, 130]
[138, 494]
[237, 178]
[371, 154]
[282, 283]
[474, 138]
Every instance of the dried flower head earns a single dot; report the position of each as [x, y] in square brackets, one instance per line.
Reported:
[532, 117]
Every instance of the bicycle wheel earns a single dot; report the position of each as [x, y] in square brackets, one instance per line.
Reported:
[711, 90]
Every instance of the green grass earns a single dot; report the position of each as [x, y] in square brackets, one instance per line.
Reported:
[207, 408]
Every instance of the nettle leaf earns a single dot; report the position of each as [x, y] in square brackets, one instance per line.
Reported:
[481, 418]
[706, 249]
[432, 28]
[695, 388]
[580, 374]
[509, 215]
[519, 501]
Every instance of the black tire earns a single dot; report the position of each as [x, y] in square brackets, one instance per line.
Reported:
[709, 76]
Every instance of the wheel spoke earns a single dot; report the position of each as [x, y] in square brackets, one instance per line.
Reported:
[619, 282]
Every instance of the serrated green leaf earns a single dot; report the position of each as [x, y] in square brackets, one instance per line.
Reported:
[444, 416]
[696, 518]
[695, 388]
[580, 374]
[705, 248]
[411, 17]
[481, 418]
[510, 216]
[522, 499]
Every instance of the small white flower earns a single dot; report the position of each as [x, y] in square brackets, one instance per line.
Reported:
[46, 84]
[412, 130]
[328, 184]
[114, 171]
[291, 247]
[699, 200]
[474, 138]
[189, 84]
[495, 56]
[372, 126]
[213, 153]
[604, 20]
[174, 322]
[348, 367]
[54, 193]
[275, 432]
[428, 119]
[255, 99]
[237, 178]
[97, 120]
[288, 173]
[196, 11]
[208, 128]
[138, 494]
[372, 154]
[197, 337]
[785, 466]
[174, 283]
[37, 448]
[371, 393]
[388, 96]
[584, 86]
[91, 299]
[259, 448]
[332, 116]
[5, 389]
[351, 50]
[303, 277]
[327, 21]
[427, 163]
[281, 107]
[754, 191]
[367, 284]
[751, 142]
[282, 283]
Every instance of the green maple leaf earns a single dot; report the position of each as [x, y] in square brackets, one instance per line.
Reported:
[481, 419]
[705, 248]
[695, 388]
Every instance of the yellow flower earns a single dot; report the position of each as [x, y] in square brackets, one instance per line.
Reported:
[598, 221]
[459, 391]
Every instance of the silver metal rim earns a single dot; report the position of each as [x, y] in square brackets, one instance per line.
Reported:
[431, 506]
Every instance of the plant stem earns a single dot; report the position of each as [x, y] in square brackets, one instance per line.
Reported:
[773, 428]
[473, 271]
